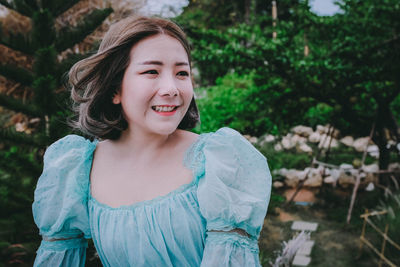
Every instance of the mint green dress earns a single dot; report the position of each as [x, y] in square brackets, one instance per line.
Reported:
[187, 227]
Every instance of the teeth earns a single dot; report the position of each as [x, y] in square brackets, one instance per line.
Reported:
[164, 109]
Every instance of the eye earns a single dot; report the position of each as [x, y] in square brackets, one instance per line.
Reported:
[150, 72]
[183, 73]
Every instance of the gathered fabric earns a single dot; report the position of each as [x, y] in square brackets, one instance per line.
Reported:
[190, 226]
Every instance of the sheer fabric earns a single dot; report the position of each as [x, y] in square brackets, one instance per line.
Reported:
[188, 227]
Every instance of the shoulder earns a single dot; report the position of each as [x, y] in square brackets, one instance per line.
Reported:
[69, 143]
[231, 142]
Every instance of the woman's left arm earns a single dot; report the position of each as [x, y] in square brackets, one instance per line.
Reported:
[233, 198]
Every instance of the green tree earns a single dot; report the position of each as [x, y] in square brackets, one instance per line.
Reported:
[349, 77]
[20, 156]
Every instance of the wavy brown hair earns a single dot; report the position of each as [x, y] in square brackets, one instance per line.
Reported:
[96, 79]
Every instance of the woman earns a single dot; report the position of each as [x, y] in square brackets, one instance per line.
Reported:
[146, 190]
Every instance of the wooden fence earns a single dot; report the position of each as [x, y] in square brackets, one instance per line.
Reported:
[363, 240]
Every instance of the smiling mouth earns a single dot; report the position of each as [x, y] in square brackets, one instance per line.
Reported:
[164, 108]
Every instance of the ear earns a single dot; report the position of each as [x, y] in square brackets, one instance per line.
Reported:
[116, 98]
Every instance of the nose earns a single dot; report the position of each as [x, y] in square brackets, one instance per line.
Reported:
[168, 87]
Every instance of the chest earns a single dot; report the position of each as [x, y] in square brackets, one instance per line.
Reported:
[117, 182]
[167, 231]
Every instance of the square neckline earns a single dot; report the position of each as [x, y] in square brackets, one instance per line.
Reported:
[179, 190]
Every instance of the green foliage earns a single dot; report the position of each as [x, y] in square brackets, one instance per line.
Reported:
[395, 106]
[321, 114]
[228, 104]
[43, 23]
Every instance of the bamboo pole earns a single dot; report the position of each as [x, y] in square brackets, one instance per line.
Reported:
[383, 234]
[383, 244]
[388, 262]
[362, 236]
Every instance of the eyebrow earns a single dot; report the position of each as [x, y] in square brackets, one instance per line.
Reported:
[154, 62]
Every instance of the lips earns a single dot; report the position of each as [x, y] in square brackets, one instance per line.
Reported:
[165, 110]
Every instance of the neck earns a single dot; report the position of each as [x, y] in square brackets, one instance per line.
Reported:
[142, 144]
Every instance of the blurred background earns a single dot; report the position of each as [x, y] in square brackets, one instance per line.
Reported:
[314, 85]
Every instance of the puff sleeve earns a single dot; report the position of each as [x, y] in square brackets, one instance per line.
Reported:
[233, 194]
[60, 203]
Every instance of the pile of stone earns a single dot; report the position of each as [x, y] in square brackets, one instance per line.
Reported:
[345, 175]
[301, 136]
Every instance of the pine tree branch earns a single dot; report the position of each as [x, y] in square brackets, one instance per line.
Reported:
[67, 63]
[17, 74]
[68, 37]
[58, 7]
[17, 105]
[17, 164]
[16, 41]
[10, 135]
[20, 6]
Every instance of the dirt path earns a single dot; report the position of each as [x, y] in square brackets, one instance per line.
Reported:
[336, 244]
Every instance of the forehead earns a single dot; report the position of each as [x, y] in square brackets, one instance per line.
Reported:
[158, 47]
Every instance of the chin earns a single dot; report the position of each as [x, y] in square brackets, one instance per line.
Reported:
[165, 129]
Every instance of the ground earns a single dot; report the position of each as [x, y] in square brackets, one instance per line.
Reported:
[336, 243]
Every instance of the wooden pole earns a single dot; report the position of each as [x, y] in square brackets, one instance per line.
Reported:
[274, 18]
[358, 178]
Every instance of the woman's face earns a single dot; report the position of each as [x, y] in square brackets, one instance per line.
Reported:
[156, 88]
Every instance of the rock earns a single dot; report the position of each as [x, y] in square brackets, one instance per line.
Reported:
[278, 184]
[370, 187]
[360, 144]
[326, 141]
[371, 168]
[287, 142]
[314, 178]
[297, 139]
[335, 174]
[345, 166]
[346, 179]
[314, 137]
[329, 180]
[371, 172]
[302, 130]
[251, 139]
[282, 172]
[304, 148]
[325, 130]
[268, 139]
[347, 140]
[373, 150]
[292, 177]
[278, 147]
[292, 182]
[321, 129]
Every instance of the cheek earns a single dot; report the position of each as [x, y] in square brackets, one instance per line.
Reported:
[187, 90]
